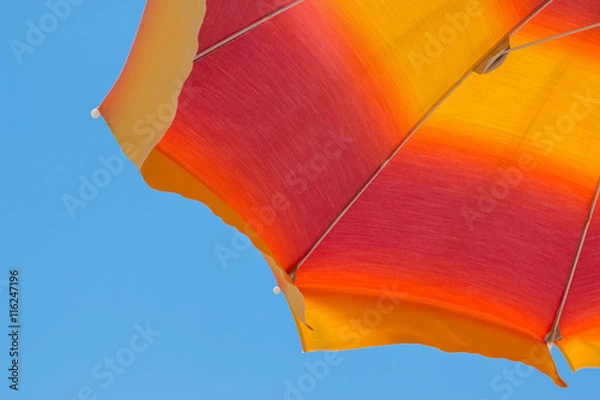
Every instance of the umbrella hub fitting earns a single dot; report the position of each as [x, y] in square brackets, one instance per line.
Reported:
[494, 59]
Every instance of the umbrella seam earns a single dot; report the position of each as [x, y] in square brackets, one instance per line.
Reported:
[554, 37]
[411, 133]
[554, 334]
[374, 176]
[245, 30]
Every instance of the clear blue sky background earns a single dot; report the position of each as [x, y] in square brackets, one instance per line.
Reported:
[135, 256]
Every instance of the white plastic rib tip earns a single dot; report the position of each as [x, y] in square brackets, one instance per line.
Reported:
[95, 113]
[276, 290]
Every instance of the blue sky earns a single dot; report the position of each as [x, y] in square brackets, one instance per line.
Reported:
[125, 298]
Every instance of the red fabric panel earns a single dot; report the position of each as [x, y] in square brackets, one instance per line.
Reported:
[569, 14]
[284, 127]
[226, 17]
[409, 231]
[582, 311]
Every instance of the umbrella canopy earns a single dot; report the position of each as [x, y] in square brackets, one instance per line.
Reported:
[397, 196]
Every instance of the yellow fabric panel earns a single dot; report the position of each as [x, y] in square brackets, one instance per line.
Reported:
[417, 58]
[561, 131]
[582, 351]
[343, 321]
[142, 103]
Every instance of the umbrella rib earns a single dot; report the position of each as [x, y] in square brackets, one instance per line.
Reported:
[554, 334]
[293, 271]
[555, 37]
[246, 30]
[372, 178]
[532, 16]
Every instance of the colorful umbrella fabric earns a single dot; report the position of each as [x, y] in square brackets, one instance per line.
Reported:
[397, 195]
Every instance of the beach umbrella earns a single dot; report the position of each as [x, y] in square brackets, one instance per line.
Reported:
[413, 171]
